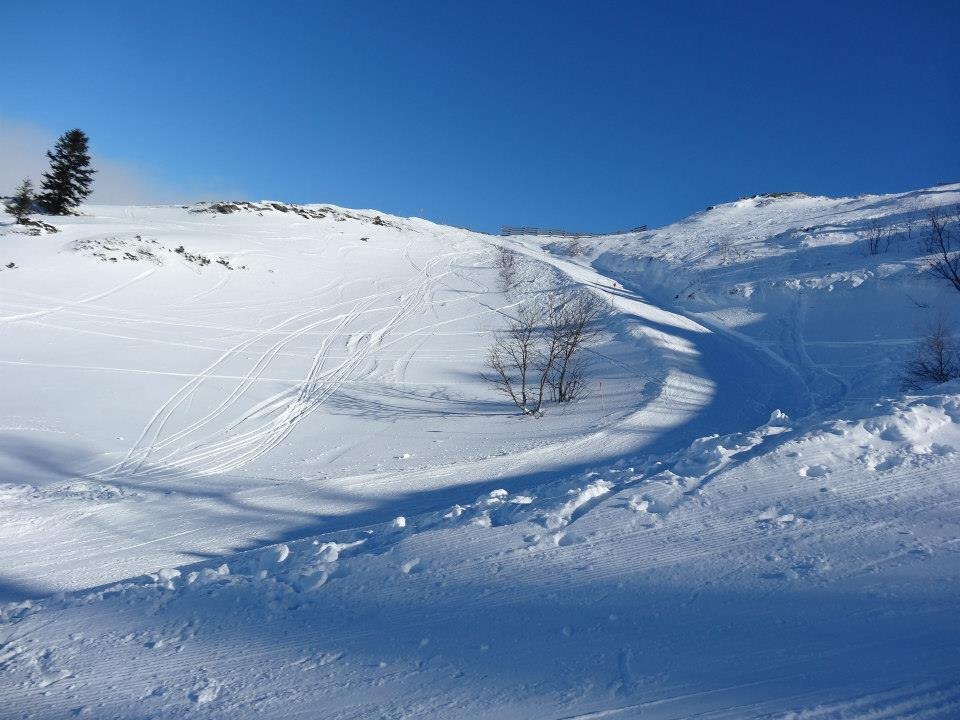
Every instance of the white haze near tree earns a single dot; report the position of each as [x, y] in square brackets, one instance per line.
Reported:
[23, 148]
[250, 468]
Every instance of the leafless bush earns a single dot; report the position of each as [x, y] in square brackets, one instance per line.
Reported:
[507, 267]
[728, 251]
[518, 366]
[943, 246]
[538, 351]
[878, 238]
[935, 360]
[573, 322]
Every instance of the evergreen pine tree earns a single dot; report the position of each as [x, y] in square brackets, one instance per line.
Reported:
[21, 204]
[67, 183]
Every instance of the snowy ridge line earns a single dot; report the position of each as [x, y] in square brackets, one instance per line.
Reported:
[508, 230]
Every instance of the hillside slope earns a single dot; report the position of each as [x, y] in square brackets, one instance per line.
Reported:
[796, 275]
[748, 520]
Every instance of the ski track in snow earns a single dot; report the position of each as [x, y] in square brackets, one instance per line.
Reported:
[75, 303]
[314, 389]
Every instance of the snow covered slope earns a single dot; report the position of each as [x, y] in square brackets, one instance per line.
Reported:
[275, 485]
[795, 274]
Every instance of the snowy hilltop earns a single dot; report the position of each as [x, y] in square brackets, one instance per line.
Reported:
[253, 464]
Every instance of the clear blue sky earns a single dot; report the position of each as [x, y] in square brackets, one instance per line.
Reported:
[587, 115]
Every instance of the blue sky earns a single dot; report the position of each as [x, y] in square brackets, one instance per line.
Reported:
[590, 116]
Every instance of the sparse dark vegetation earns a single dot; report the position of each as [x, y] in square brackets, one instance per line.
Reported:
[114, 249]
[228, 208]
[728, 251]
[200, 260]
[307, 213]
[773, 196]
[877, 240]
[37, 227]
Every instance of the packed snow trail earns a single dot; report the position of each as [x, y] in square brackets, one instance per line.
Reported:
[719, 607]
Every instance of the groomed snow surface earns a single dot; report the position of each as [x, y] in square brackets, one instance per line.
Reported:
[249, 468]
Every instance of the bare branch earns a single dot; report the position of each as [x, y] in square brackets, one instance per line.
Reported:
[513, 357]
[507, 267]
[935, 360]
[943, 246]
[878, 238]
[536, 354]
[574, 324]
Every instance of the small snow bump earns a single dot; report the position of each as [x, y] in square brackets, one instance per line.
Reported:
[205, 694]
[778, 418]
[768, 514]
[455, 512]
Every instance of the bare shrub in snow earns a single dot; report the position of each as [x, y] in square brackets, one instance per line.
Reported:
[943, 246]
[573, 322]
[507, 267]
[878, 238]
[515, 358]
[935, 360]
[728, 251]
[538, 351]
